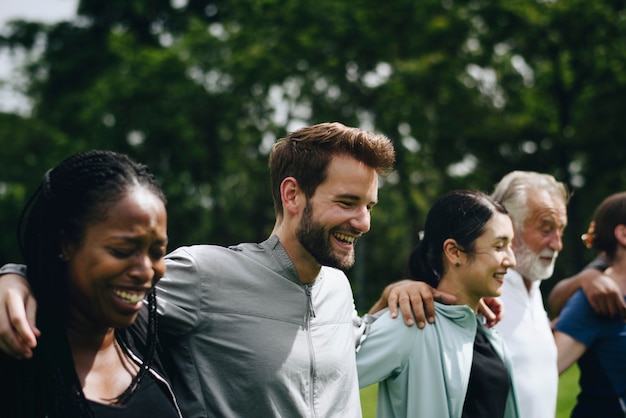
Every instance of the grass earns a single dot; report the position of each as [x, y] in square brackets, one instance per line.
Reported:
[568, 389]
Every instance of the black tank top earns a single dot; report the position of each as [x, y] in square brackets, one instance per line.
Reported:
[489, 382]
[149, 400]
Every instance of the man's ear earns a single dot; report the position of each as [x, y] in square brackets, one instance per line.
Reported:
[291, 195]
[452, 251]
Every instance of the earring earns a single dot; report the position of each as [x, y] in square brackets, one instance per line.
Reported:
[457, 264]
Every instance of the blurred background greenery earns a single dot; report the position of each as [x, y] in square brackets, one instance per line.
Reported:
[200, 89]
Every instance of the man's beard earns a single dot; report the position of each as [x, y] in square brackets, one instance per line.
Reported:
[530, 265]
[313, 237]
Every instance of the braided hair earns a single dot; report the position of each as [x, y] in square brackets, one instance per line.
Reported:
[73, 195]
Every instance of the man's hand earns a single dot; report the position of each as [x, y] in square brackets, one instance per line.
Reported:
[604, 295]
[18, 332]
[492, 309]
[416, 301]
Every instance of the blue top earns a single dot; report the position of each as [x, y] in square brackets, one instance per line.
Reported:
[603, 365]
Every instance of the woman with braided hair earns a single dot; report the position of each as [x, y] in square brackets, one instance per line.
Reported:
[93, 235]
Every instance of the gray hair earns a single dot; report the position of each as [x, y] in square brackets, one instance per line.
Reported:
[512, 192]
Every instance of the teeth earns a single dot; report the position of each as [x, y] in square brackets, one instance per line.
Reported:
[130, 297]
[345, 238]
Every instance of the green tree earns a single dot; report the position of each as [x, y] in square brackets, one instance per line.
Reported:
[467, 91]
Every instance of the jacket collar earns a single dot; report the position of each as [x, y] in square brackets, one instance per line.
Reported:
[283, 264]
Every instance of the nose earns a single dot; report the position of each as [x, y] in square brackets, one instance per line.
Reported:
[556, 241]
[361, 220]
[509, 260]
[143, 269]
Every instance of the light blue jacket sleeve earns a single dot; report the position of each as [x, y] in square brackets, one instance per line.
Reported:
[384, 351]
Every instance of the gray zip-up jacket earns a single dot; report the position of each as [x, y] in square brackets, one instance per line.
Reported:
[247, 339]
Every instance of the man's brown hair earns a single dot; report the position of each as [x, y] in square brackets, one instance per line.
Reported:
[305, 154]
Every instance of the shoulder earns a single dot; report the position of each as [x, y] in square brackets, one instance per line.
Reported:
[384, 323]
[577, 301]
[577, 313]
[390, 339]
[202, 257]
[197, 251]
[462, 314]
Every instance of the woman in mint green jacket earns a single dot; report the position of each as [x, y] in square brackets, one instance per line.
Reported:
[455, 367]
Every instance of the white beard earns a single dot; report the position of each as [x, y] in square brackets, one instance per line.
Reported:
[530, 265]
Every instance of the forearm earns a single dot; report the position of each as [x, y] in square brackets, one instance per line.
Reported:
[566, 288]
[18, 331]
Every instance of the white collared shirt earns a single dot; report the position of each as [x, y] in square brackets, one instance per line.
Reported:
[525, 327]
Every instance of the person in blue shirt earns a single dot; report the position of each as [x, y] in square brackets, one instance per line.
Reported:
[597, 342]
[457, 367]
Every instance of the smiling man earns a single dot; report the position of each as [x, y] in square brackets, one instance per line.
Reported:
[537, 204]
[269, 329]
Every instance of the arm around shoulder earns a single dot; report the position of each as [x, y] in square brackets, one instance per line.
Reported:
[415, 299]
[565, 288]
[18, 331]
[603, 293]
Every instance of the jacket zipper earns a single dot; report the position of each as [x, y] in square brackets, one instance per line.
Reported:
[310, 314]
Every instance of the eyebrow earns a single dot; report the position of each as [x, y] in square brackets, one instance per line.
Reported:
[354, 198]
[136, 239]
[552, 220]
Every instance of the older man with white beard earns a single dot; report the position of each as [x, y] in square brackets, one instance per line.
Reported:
[537, 204]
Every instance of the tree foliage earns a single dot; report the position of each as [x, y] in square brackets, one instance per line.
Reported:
[199, 90]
